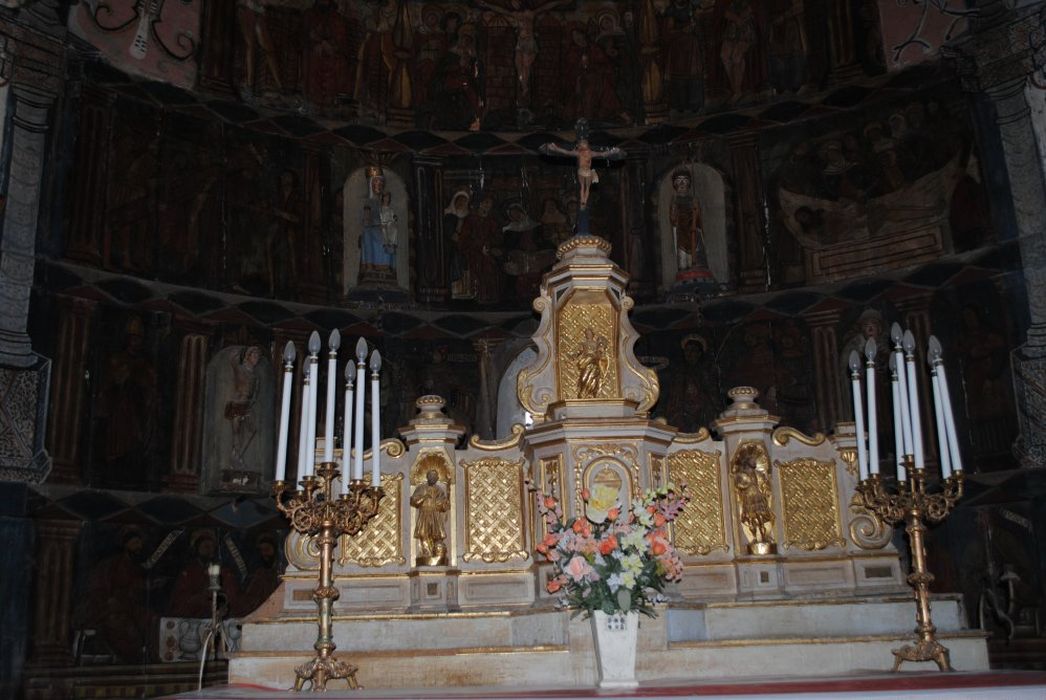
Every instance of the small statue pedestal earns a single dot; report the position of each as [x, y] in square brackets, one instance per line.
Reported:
[434, 588]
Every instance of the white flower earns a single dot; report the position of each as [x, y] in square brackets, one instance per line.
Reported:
[615, 581]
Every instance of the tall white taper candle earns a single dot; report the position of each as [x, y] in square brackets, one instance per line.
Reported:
[346, 432]
[855, 381]
[898, 441]
[303, 423]
[285, 411]
[913, 399]
[314, 379]
[332, 369]
[873, 417]
[933, 356]
[375, 419]
[902, 383]
[361, 377]
[949, 416]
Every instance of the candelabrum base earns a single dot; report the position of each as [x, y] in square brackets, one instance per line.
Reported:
[322, 669]
[923, 650]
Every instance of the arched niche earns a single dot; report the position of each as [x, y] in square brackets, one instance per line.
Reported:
[710, 190]
[510, 410]
[354, 194]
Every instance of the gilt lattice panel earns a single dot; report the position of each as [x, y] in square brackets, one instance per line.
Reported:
[810, 501]
[583, 312]
[700, 528]
[494, 530]
[380, 543]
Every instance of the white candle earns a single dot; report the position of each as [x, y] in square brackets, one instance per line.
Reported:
[375, 420]
[855, 380]
[949, 417]
[902, 384]
[285, 411]
[346, 434]
[898, 442]
[873, 418]
[361, 377]
[913, 399]
[303, 424]
[314, 392]
[934, 358]
[332, 368]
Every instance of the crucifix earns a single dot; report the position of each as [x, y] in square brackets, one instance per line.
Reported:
[586, 174]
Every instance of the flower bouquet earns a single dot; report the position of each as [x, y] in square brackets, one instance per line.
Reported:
[612, 560]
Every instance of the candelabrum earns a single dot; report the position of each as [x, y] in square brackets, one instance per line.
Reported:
[913, 504]
[312, 510]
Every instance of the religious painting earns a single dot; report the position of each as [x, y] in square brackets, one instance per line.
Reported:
[238, 421]
[892, 189]
[691, 394]
[129, 426]
[157, 40]
[142, 587]
[375, 208]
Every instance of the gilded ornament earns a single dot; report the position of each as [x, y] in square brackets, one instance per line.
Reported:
[431, 501]
[810, 498]
[700, 528]
[750, 469]
[586, 326]
[381, 544]
[494, 530]
[783, 435]
[866, 530]
[497, 445]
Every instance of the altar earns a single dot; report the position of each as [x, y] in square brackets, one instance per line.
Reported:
[444, 587]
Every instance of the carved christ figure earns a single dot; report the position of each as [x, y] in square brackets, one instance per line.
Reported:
[526, 39]
[586, 175]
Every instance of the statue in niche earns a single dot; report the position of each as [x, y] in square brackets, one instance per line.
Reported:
[586, 174]
[593, 362]
[432, 502]
[751, 471]
[250, 15]
[239, 411]
[377, 254]
[684, 214]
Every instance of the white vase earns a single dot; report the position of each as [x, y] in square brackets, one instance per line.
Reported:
[615, 641]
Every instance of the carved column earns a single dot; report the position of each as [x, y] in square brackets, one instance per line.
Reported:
[52, 607]
[401, 90]
[431, 243]
[70, 387]
[187, 435]
[652, 83]
[830, 398]
[748, 214]
[996, 57]
[87, 222]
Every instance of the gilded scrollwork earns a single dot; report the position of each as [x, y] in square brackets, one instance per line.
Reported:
[381, 543]
[810, 497]
[700, 528]
[494, 524]
[497, 445]
[783, 435]
[867, 531]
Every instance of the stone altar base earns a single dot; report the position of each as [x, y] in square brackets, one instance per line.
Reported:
[541, 646]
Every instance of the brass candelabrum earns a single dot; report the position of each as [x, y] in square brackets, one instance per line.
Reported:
[914, 505]
[313, 510]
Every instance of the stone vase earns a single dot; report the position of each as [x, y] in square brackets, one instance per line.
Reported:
[614, 637]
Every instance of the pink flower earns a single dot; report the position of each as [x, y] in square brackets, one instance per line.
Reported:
[578, 569]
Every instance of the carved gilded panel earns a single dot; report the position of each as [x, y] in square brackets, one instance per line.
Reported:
[586, 331]
[700, 528]
[494, 529]
[551, 482]
[381, 542]
[809, 496]
[597, 463]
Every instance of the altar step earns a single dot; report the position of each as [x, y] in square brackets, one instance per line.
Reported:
[522, 647]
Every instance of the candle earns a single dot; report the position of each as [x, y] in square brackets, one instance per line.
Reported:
[332, 368]
[285, 411]
[303, 425]
[873, 418]
[357, 443]
[346, 433]
[949, 417]
[314, 392]
[913, 399]
[933, 356]
[214, 572]
[855, 380]
[902, 384]
[898, 442]
[375, 420]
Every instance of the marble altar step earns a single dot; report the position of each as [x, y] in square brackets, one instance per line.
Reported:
[522, 647]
